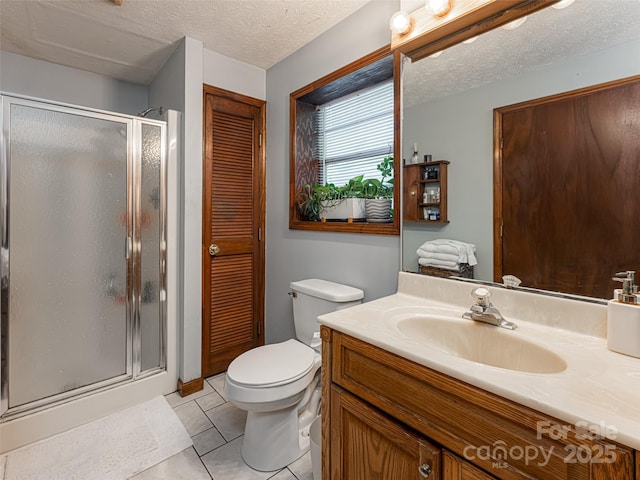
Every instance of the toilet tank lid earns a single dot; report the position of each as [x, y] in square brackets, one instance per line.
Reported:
[334, 292]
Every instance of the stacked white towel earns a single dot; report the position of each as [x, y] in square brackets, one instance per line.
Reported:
[448, 254]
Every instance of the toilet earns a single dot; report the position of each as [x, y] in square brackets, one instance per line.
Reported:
[279, 384]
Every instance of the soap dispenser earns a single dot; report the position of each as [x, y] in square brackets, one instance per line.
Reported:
[623, 316]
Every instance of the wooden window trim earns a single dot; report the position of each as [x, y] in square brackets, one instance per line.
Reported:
[296, 223]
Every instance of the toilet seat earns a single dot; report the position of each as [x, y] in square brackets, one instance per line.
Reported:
[272, 365]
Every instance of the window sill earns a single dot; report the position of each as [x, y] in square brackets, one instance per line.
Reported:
[344, 227]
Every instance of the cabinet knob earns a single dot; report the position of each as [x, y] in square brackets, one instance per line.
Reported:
[214, 249]
[425, 470]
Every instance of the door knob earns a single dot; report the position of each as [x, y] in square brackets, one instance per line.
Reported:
[214, 249]
[425, 470]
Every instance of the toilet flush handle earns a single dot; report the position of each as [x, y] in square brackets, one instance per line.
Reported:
[293, 294]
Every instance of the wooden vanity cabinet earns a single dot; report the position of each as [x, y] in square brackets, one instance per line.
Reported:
[384, 417]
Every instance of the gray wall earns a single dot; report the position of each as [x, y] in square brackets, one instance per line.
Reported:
[167, 87]
[48, 81]
[192, 213]
[179, 86]
[459, 128]
[168, 91]
[370, 262]
[230, 74]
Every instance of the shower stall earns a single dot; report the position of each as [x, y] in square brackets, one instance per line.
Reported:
[83, 254]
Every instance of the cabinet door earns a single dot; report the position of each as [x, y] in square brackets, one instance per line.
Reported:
[366, 445]
[412, 191]
[455, 468]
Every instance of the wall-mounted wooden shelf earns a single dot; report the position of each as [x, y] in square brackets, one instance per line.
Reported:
[417, 182]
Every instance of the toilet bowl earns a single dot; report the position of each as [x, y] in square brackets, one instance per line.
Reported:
[274, 436]
[279, 384]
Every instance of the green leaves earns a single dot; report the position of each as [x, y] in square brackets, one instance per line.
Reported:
[311, 198]
[386, 168]
[374, 188]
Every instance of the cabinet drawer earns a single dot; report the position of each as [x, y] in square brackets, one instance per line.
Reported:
[508, 440]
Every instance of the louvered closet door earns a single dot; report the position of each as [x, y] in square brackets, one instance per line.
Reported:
[233, 248]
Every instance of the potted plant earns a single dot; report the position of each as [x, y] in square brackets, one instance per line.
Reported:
[310, 200]
[347, 203]
[328, 202]
[378, 194]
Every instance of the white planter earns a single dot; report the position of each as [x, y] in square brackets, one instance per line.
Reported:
[347, 208]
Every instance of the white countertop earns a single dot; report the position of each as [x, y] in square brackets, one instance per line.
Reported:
[599, 388]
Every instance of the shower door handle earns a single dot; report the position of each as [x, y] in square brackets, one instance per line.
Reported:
[214, 249]
[127, 248]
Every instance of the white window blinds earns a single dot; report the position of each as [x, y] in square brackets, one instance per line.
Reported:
[354, 134]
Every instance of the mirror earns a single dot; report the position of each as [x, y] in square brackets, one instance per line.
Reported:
[448, 105]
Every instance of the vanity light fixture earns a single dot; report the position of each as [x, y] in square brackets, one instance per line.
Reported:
[515, 24]
[459, 21]
[400, 23]
[438, 7]
[562, 4]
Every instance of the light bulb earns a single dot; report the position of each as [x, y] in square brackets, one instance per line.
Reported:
[400, 23]
[438, 7]
[562, 4]
[470, 40]
[515, 24]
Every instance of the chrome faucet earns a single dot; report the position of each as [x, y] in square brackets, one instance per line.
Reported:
[484, 311]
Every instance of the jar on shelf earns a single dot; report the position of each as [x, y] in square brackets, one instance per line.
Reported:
[431, 214]
[431, 195]
[431, 173]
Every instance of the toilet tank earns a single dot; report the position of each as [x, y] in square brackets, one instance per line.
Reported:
[315, 297]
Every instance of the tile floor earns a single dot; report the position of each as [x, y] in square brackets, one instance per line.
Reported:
[216, 428]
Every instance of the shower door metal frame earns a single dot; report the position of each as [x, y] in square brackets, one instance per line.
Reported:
[136, 297]
[132, 252]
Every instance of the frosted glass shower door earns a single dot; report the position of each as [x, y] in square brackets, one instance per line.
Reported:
[151, 205]
[68, 224]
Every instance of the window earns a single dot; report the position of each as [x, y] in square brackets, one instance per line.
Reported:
[354, 134]
[342, 126]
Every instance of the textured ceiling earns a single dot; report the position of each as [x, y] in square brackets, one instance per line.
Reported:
[547, 37]
[132, 41]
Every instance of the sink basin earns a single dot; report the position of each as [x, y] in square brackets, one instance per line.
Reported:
[481, 343]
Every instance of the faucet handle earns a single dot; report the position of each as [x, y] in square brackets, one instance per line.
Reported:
[511, 281]
[628, 281]
[481, 294]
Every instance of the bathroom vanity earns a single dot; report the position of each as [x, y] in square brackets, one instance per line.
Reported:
[400, 404]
